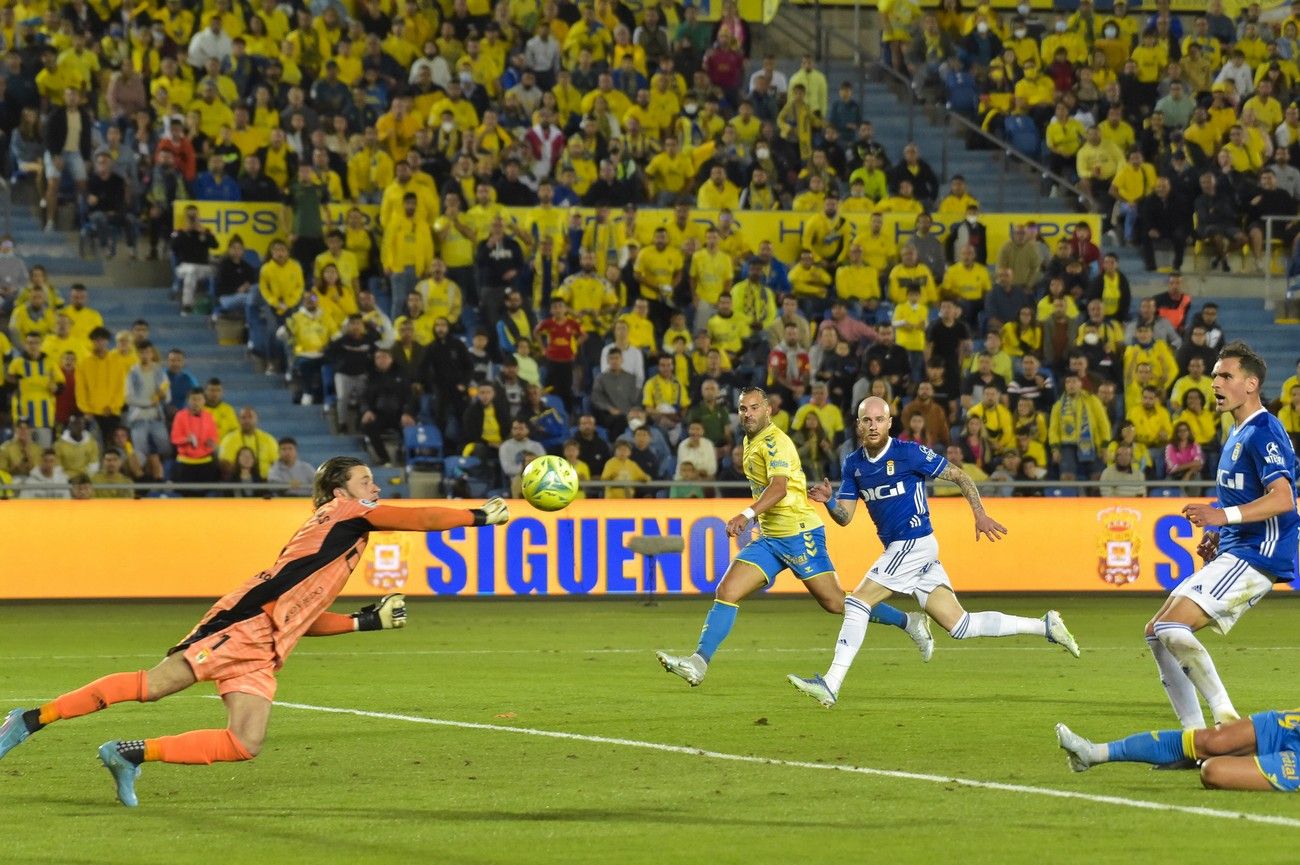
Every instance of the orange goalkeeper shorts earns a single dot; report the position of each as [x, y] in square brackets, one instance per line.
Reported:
[240, 659]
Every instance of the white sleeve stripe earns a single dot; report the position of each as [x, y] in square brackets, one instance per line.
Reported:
[1269, 477]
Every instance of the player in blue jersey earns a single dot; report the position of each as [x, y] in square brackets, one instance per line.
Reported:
[1261, 752]
[1250, 541]
[792, 536]
[890, 476]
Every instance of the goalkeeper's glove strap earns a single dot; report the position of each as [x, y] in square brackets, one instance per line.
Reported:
[368, 618]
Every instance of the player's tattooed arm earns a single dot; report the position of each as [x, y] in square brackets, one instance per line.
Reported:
[984, 524]
[969, 491]
[839, 512]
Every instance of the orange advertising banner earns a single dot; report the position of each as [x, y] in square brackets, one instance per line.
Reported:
[203, 548]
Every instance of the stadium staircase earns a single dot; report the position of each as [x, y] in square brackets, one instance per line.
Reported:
[1007, 186]
[119, 290]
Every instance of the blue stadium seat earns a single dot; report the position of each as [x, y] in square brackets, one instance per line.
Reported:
[424, 447]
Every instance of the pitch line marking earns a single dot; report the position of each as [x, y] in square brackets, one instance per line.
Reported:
[1120, 801]
[612, 651]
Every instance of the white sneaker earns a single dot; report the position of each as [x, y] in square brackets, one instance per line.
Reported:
[815, 687]
[49, 226]
[305, 399]
[1080, 753]
[690, 667]
[918, 628]
[1059, 634]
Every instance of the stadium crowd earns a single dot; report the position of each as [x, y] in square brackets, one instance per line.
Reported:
[619, 339]
[1178, 129]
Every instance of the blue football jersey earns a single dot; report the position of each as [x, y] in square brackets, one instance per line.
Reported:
[893, 486]
[1258, 452]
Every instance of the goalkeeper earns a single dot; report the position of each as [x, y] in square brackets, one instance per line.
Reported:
[246, 636]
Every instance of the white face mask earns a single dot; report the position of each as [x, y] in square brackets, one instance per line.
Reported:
[635, 423]
[982, 27]
[762, 152]
[1060, 26]
[1020, 32]
[448, 126]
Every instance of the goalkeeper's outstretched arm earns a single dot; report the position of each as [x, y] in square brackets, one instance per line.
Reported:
[388, 614]
[396, 519]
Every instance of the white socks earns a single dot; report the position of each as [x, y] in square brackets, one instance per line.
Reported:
[857, 616]
[1181, 691]
[1196, 663]
[994, 624]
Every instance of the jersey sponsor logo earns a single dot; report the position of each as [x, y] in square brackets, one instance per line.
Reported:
[883, 491]
[1274, 455]
[778, 464]
[1234, 481]
[298, 607]
[930, 456]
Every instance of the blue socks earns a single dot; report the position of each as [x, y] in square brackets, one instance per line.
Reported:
[717, 624]
[721, 617]
[1157, 747]
[883, 614]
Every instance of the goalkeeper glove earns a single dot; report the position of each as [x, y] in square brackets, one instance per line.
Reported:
[493, 513]
[388, 614]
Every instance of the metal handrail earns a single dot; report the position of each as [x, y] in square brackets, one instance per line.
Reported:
[7, 211]
[854, 46]
[950, 116]
[1270, 303]
[738, 486]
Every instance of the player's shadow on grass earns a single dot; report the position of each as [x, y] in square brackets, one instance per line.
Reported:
[655, 816]
[1092, 703]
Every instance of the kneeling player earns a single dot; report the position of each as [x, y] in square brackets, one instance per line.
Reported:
[1255, 753]
[246, 636]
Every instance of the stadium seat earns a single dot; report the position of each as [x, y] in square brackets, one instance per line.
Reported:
[423, 445]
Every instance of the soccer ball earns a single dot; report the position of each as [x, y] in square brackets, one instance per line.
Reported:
[550, 483]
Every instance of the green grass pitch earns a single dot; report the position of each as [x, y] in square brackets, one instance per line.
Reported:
[353, 788]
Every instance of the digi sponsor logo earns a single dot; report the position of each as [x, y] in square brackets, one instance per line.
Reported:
[1234, 481]
[882, 492]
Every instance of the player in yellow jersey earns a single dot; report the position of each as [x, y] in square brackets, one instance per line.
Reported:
[791, 535]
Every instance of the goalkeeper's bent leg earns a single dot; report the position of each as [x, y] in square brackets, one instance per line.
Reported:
[195, 748]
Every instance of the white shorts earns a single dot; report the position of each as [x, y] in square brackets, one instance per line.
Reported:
[1225, 588]
[911, 568]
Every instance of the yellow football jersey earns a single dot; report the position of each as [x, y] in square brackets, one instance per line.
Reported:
[771, 454]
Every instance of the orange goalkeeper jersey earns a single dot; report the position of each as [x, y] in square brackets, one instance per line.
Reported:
[314, 567]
